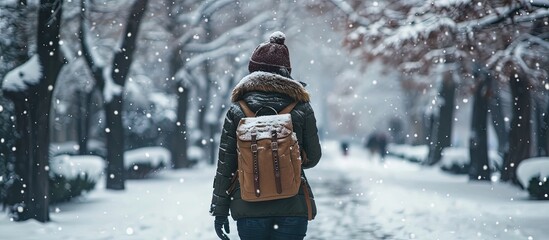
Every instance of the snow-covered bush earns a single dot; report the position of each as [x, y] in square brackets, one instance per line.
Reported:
[533, 174]
[148, 116]
[195, 154]
[409, 152]
[7, 142]
[457, 160]
[143, 161]
[95, 147]
[70, 176]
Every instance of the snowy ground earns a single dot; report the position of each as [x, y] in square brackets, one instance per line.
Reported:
[357, 197]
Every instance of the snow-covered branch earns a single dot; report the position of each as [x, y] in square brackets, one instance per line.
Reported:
[218, 53]
[235, 33]
[538, 14]
[539, 3]
[110, 88]
[211, 8]
[203, 11]
[350, 12]
[438, 53]
[413, 32]
[95, 62]
[187, 36]
[517, 51]
[506, 13]
[411, 66]
[20, 78]
[184, 77]
[193, 19]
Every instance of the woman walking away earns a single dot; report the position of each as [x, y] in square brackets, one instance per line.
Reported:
[269, 136]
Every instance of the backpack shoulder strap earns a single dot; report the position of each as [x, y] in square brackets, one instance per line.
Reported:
[247, 111]
[288, 108]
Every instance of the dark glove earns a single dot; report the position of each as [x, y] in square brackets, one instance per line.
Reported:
[219, 223]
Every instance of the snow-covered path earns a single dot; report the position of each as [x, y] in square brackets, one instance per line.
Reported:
[401, 200]
[358, 198]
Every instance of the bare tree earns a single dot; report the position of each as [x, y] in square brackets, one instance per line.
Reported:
[15, 52]
[478, 140]
[110, 81]
[30, 87]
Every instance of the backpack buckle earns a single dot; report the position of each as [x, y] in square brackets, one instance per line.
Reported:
[274, 146]
[274, 140]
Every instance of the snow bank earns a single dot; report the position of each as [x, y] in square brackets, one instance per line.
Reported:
[70, 167]
[95, 147]
[18, 79]
[533, 168]
[356, 198]
[64, 148]
[155, 156]
[195, 153]
[459, 156]
[450, 156]
[412, 153]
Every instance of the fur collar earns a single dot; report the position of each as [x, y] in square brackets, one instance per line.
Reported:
[270, 82]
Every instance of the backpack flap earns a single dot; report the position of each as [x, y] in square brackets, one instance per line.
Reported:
[263, 126]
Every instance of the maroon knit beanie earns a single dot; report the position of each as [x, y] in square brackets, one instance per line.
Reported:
[271, 56]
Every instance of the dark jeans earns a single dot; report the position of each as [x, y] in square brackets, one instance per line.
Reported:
[272, 228]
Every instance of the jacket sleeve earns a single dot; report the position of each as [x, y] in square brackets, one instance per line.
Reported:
[226, 166]
[311, 143]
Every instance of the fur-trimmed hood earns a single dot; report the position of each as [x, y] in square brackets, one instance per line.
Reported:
[270, 82]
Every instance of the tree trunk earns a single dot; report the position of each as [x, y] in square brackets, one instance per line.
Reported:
[539, 29]
[545, 142]
[478, 141]
[442, 136]
[498, 119]
[39, 182]
[83, 121]
[203, 123]
[180, 141]
[115, 144]
[541, 126]
[520, 131]
[212, 143]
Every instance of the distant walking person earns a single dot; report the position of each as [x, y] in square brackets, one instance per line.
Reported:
[266, 104]
[344, 146]
[377, 143]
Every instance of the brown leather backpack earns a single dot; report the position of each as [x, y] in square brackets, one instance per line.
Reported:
[269, 160]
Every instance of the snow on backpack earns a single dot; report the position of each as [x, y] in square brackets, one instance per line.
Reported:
[269, 161]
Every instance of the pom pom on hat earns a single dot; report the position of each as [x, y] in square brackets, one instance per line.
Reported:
[277, 37]
[271, 56]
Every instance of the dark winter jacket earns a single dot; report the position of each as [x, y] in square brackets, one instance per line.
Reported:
[259, 89]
